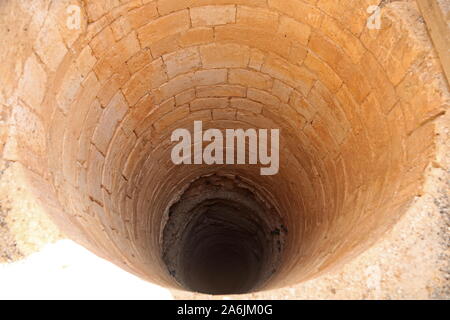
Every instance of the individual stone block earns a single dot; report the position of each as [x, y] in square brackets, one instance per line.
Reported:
[143, 15]
[85, 61]
[249, 79]
[293, 30]
[166, 45]
[96, 9]
[257, 18]
[299, 10]
[94, 177]
[163, 27]
[172, 117]
[323, 72]
[221, 91]
[224, 114]
[281, 90]
[256, 59]
[173, 87]
[295, 76]
[210, 77]
[354, 77]
[49, 44]
[121, 27]
[196, 36]
[112, 115]
[32, 84]
[262, 97]
[325, 49]
[93, 116]
[70, 86]
[224, 56]
[109, 89]
[351, 45]
[150, 77]
[182, 61]
[102, 42]
[185, 97]
[247, 105]
[212, 15]
[208, 103]
[139, 60]
[265, 40]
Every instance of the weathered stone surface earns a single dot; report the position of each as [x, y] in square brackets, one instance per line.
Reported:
[224, 55]
[212, 15]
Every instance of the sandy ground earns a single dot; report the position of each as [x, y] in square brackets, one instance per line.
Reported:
[65, 270]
